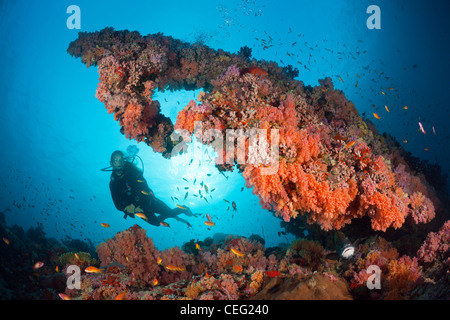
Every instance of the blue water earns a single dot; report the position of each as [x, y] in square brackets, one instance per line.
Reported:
[56, 136]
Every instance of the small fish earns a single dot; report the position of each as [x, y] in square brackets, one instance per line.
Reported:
[105, 225]
[376, 116]
[185, 196]
[208, 217]
[180, 206]
[434, 132]
[351, 143]
[155, 282]
[341, 79]
[421, 128]
[237, 252]
[237, 268]
[121, 296]
[140, 181]
[141, 215]
[144, 192]
[386, 107]
[64, 296]
[233, 204]
[173, 268]
[164, 224]
[254, 70]
[405, 141]
[197, 246]
[77, 256]
[57, 269]
[5, 240]
[93, 270]
[383, 93]
[159, 261]
[181, 269]
[426, 149]
[273, 273]
[210, 223]
[405, 107]
[38, 265]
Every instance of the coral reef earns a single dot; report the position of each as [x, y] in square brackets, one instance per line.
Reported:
[331, 166]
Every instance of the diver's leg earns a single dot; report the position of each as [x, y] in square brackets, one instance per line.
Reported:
[152, 219]
[165, 212]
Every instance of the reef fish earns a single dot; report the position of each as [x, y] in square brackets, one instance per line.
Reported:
[93, 270]
[273, 273]
[141, 215]
[210, 223]
[237, 252]
[38, 265]
[253, 70]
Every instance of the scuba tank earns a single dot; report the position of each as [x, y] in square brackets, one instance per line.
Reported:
[344, 247]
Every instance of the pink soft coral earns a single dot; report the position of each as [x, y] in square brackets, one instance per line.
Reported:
[133, 249]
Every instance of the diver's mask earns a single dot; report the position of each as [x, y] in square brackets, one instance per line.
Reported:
[119, 160]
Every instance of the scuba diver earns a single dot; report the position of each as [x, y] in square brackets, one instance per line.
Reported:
[132, 195]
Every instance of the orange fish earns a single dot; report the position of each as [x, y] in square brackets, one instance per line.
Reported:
[77, 256]
[237, 252]
[383, 93]
[426, 149]
[159, 261]
[105, 225]
[208, 217]
[5, 240]
[351, 143]
[145, 192]
[237, 268]
[376, 116]
[64, 296]
[121, 296]
[405, 141]
[386, 107]
[155, 282]
[233, 204]
[253, 70]
[164, 224]
[405, 107]
[171, 267]
[93, 270]
[141, 215]
[181, 207]
[341, 79]
[210, 223]
[197, 246]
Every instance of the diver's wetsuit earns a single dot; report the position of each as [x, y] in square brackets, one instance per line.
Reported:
[131, 188]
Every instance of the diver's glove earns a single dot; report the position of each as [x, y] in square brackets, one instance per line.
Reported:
[129, 211]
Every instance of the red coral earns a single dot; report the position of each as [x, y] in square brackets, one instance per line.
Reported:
[133, 249]
[331, 166]
[436, 246]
